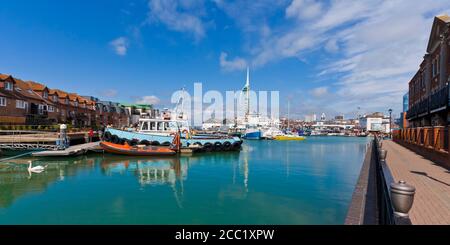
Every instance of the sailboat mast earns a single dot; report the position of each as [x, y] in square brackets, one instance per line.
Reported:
[288, 113]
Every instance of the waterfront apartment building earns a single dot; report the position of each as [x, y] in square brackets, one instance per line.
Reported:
[33, 103]
[429, 88]
[20, 104]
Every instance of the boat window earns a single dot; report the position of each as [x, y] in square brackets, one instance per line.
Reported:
[152, 126]
[166, 126]
[159, 126]
[144, 126]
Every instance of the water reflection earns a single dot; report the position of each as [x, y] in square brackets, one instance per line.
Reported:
[150, 172]
[16, 180]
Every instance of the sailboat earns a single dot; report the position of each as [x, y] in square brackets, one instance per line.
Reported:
[289, 135]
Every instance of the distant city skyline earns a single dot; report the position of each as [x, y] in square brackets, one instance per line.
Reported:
[329, 57]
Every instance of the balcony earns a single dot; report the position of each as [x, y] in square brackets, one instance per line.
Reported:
[437, 101]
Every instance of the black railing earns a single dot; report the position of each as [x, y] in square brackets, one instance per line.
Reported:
[385, 206]
[439, 99]
[435, 101]
[384, 178]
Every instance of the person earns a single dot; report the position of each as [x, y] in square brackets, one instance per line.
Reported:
[91, 134]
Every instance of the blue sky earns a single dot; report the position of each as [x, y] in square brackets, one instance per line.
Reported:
[325, 56]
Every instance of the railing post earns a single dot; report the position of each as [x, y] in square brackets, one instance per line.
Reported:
[438, 138]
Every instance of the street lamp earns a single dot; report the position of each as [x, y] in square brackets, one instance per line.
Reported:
[390, 123]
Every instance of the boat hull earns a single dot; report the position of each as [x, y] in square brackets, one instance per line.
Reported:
[136, 151]
[286, 138]
[255, 135]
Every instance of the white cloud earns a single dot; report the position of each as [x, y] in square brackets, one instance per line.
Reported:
[319, 91]
[303, 9]
[120, 45]
[332, 46]
[177, 15]
[376, 45]
[231, 65]
[148, 99]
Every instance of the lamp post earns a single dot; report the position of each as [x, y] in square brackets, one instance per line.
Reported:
[390, 123]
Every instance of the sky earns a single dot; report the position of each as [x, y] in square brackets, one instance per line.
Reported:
[330, 56]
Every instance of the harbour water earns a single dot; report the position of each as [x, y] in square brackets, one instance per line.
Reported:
[268, 182]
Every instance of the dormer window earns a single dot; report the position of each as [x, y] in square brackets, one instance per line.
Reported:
[45, 94]
[67, 101]
[8, 86]
[76, 103]
[55, 98]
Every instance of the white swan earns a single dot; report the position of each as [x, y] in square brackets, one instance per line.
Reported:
[36, 169]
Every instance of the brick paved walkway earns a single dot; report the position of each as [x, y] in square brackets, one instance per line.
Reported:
[432, 182]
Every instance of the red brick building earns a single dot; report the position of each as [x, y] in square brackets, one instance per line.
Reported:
[429, 88]
[32, 103]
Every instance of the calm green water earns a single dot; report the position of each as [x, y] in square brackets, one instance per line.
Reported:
[269, 182]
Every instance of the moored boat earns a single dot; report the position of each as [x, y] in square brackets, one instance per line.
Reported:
[137, 150]
[252, 134]
[289, 137]
[207, 143]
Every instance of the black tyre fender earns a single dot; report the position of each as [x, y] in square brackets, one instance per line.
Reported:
[166, 143]
[218, 146]
[155, 143]
[107, 136]
[236, 146]
[208, 147]
[133, 142]
[144, 142]
[227, 146]
[115, 139]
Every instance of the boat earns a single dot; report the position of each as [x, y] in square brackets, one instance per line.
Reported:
[207, 143]
[136, 150]
[289, 137]
[252, 134]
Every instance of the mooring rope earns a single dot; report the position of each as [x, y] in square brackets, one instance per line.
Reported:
[14, 157]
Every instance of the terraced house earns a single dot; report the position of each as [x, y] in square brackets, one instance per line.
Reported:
[33, 103]
[20, 104]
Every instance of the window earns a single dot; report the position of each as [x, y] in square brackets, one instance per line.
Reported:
[55, 98]
[41, 109]
[434, 68]
[2, 101]
[145, 126]
[21, 104]
[67, 101]
[76, 103]
[437, 65]
[8, 86]
[51, 108]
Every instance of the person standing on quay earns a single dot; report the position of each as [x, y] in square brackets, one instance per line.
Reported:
[91, 134]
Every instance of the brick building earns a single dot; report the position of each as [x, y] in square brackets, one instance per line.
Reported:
[32, 103]
[429, 88]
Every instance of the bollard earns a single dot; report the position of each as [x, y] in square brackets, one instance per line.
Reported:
[63, 135]
[382, 155]
[402, 196]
